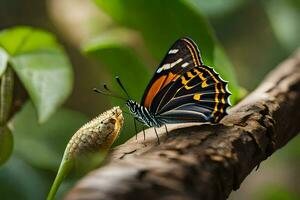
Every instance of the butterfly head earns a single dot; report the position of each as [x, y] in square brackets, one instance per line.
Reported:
[142, 114]
[132, 105]
[135, 107]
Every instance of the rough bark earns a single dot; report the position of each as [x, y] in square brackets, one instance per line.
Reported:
[203, 161]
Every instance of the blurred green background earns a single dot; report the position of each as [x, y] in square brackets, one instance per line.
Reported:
[76, 45]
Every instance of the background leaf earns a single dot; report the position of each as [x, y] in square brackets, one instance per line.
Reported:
[276, 192]
[41, 65]
[3, 60]
[215, 8]
[6, 144]
[170, 22]
[284, 17]
[12, 39]
[20, 181]
[48, 139]
[120, 60]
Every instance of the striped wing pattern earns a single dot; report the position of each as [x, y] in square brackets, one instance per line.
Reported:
[184, 90]
[179, 58]
[199, 95]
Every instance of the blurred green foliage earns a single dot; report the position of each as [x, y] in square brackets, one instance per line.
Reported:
[6, 144]
[160, 24]
[216, 8]
[49, 139]
[3, 60]
[275, 192]
[19, 180]
[41, 65]
[284, 17]
[119, 60]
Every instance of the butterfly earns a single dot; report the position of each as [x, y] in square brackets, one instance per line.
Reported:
[182, 90]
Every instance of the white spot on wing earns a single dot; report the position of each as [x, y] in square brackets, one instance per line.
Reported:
[169, 65]
[173, 51]
[185, 64]
[159, 70]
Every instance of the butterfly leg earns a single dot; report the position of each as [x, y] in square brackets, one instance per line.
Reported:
[144, 133]
[167, 132]
[134, 121]
[157, 136]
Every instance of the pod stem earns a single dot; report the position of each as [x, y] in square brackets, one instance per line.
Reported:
[64, 169]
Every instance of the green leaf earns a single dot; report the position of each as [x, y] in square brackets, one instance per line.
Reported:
[284, 16]
[3, 60]
[120, 60]
[216, 8]
[291, 151]
[47, 141]
[6, 144]
[24, 39]
[161, 23]
[45, 75]
[12, 39]
[275, 192]
[19, 180]
[41, 65]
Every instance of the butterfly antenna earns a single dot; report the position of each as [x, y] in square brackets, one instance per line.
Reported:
[106, 88]
[108, 94]
[123, 88]
[111, 91]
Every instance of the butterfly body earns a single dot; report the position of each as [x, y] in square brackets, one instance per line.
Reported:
[143, 115]
[182, 90]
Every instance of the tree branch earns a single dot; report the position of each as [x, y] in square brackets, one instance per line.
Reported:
[203, 161]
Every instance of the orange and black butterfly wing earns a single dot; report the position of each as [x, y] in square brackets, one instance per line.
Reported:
[186, 91]
[182, 56]
[199, 95]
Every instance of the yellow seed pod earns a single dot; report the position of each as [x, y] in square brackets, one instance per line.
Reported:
[98, 134]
